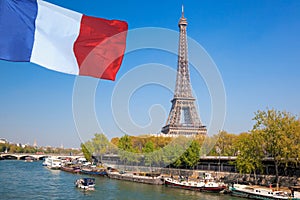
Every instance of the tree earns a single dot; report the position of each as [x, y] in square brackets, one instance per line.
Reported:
[192, 154]
[171, 154]
[148, 153]
[125, 143]
[279, 133]
[2, 147]
[126, 151]
[149, 147]
[225, 144]
[87, 154]
[190, 157]
[115, 141]
[250, 154]
[100, 144]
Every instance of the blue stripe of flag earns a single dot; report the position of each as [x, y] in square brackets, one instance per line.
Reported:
[17, 27]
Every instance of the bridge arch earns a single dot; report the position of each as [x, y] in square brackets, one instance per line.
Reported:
[24, 156]
[10, 157]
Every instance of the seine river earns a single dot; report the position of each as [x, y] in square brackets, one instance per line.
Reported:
[25, 180]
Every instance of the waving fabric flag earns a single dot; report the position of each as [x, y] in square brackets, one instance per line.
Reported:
[61, 39]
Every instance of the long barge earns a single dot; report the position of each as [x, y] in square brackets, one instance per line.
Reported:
[137, 177]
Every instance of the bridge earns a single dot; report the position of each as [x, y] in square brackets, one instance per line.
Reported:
[22, 156]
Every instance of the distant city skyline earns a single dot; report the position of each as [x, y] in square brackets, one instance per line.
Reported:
[255, 45]
[33, 143]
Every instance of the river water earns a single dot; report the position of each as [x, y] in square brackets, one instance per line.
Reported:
[30, 180]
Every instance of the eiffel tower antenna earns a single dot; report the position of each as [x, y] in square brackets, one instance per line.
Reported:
[183, 118]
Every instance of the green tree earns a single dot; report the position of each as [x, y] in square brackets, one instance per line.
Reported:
[170, 154]
[125, 143]
[156, 157]
[149, 147]
[148, 153]
[100, 145]
[192, 154]
[85, 150]
[97, 146]
[190, 157]
[225, 144]
[14, 149]
[250, 154]
[2, 147]
[279, 136]
[126, 151]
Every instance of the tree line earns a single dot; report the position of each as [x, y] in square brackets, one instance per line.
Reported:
[275, 135]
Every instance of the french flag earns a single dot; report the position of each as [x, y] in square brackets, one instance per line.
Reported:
[60, 39]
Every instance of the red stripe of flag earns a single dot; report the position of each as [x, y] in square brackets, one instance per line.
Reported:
[100, 46]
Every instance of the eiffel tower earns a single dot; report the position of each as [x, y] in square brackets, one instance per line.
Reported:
[183, 118]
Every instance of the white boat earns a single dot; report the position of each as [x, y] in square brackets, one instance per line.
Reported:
[208, 184]
[256, 192]
[85, 183]
[52, 163]
[46, 161]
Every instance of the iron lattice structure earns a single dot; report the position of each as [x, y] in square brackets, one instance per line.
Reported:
[183, 118]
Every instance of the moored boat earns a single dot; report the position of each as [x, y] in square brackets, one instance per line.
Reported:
[85, 183]
[52, 163]
[208, 184]
[256, 192]
[138, 177]
[94, 171]
[71, 169]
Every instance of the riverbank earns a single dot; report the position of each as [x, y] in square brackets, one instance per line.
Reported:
[40, 173]
[263, 180]
[227, 177]
[32, 181]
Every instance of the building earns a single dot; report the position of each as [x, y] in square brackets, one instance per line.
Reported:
[183, 118]
[3, 141]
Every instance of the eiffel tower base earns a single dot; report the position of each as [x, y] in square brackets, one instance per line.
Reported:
[188, 131]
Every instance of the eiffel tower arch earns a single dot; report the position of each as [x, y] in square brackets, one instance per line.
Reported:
[183, 118]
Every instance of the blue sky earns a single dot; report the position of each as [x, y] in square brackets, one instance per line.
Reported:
[255, 45]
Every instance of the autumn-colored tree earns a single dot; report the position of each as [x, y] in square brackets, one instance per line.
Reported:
[225, 144]
[250, 153]
[115, 141]
[280, 136]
